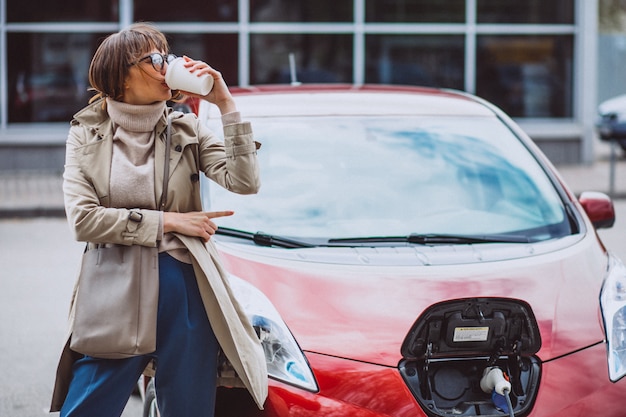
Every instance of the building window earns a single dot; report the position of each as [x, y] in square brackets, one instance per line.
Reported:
[527, 76]
[317, 58]
[49, 81]
[415, 11]
[301, 10]
[525, 11]
[427, 60]
[217, 49]
[186, 11]
[62, 11]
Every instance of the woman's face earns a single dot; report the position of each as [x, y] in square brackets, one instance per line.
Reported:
[146, 84]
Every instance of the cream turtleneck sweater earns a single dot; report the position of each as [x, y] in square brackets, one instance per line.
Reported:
[132, 165]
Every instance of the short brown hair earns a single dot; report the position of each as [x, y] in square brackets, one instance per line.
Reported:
[110, 64]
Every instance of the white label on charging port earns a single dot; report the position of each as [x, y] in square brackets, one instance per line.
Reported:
[470, 334]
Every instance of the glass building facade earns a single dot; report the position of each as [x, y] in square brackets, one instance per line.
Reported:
[529, 57]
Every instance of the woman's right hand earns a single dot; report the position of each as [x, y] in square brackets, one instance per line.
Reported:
[220, 94]
[195, 223]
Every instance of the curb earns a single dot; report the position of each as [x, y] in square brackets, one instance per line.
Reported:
[31, 212]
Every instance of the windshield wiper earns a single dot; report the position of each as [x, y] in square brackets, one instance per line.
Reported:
[433, 239]
[263, 239]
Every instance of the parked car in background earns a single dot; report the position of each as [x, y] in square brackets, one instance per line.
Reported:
[412, 252]
[612, 120]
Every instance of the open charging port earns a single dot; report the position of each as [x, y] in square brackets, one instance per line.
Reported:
[451, 345]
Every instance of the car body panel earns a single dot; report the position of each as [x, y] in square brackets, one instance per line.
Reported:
[575, 385]
[347, 388]
[363, 312]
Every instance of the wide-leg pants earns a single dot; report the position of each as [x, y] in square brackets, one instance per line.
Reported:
[186, 358]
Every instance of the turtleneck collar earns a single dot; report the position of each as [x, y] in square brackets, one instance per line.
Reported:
[133, 117]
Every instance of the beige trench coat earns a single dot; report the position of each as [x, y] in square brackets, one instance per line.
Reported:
[231, 163]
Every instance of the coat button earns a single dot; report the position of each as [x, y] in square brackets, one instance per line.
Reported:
[194, 177]
[178, 148]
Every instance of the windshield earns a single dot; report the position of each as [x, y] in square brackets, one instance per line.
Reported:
[346, 177]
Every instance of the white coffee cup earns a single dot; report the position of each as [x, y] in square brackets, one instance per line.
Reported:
[177, 77]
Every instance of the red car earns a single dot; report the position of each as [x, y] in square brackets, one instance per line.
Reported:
[413, 253]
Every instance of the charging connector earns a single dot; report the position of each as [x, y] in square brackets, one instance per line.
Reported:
[493, 380]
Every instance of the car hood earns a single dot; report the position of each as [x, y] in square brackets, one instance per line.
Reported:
[360, 303]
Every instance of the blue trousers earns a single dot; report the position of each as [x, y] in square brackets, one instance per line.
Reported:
[186, 358]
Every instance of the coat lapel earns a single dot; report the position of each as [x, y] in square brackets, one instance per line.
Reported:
[178, 144]
[96, 160]
[159, 157]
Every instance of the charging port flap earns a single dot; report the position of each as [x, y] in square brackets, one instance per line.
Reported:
[476, 326]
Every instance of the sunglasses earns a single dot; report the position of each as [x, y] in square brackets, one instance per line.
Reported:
[158, 60]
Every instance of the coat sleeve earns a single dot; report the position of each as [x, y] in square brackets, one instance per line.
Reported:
[233, 163]
[90, 220]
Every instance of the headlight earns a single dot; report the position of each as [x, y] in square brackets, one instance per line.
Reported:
[285, 360]
[613, 304]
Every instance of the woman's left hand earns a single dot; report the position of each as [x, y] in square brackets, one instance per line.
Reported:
[219, 94]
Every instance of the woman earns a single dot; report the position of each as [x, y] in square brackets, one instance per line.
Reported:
[112, 182]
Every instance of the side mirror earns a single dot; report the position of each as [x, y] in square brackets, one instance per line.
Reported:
[599, 209]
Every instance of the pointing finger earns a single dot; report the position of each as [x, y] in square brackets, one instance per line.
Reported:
[214, 214]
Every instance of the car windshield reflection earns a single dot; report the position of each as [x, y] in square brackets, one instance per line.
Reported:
[351, 177]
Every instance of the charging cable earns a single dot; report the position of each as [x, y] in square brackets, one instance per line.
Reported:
[508, 402]
[495, 383]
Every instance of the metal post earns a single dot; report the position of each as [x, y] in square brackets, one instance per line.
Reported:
[612, 168]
